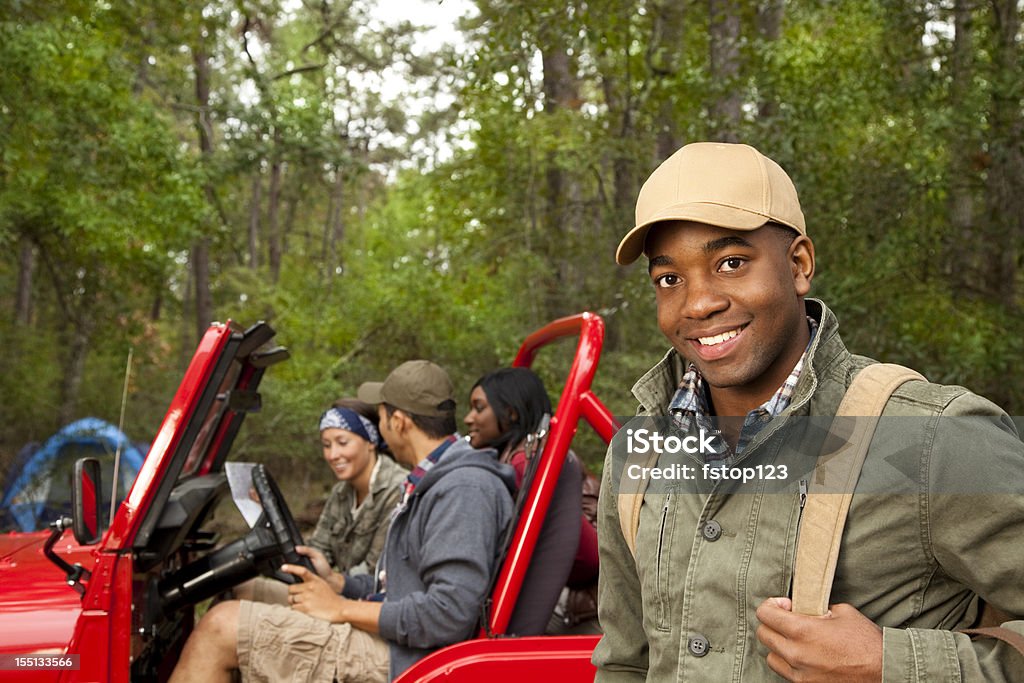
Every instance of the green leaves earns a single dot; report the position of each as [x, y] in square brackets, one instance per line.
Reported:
[406, 225]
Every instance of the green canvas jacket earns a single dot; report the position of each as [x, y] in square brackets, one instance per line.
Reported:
[353, 544]
[914, 560]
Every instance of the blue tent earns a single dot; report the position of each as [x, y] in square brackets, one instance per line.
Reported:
[37, 490]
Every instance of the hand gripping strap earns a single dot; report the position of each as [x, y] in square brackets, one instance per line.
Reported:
[832, 483]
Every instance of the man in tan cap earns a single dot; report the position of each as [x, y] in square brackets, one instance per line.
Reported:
[431, 580]
[695, 585]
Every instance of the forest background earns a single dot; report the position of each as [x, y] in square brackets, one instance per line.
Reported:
[164, 165]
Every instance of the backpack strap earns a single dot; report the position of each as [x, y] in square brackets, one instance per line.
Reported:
[630, 500]
[1011, 638]
[832, 484]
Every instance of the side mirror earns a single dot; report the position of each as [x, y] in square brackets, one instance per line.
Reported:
[85, 501]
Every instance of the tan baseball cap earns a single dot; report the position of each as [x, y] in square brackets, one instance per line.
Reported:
[717, 183]
[418, 387]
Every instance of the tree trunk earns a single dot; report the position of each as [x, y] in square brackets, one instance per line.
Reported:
[291, 206]
[334, 226]
[624, 185]
[726, 103]
[667, 26]
[187, 342]
[79, 333]
[1006, 144]
[769, 28]
[204, 128]
[962, 266]
[201, 274]
[254, 219]
[273, 203]
[26, 271]
[156, 308]
[560, 93]
[562, 203]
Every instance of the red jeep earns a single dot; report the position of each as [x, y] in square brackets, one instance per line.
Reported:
[84, 604]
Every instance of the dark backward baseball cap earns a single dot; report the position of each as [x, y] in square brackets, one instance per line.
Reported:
[728, 185]
[418, 387]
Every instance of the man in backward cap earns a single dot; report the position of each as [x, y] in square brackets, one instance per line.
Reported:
[433, 575]
[706, 596]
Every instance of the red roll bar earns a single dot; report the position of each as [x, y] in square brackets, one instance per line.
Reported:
[577, 401]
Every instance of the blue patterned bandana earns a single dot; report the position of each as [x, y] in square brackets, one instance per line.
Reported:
[350, 420]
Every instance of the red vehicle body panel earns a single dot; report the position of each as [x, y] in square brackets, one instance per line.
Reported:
[126, 523]
[41, 614]
[38, 607]
[509, 660]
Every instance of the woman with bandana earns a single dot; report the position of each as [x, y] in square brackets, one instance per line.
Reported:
[349, 536]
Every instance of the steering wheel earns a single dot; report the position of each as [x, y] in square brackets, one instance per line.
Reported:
[278, 518]
[269, 544]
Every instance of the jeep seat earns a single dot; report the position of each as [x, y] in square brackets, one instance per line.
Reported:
[553, 555]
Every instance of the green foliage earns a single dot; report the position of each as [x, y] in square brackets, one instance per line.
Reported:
[395, 243]
[93, 180]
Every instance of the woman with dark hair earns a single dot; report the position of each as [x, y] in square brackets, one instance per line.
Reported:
[505, 406]
[350, 534]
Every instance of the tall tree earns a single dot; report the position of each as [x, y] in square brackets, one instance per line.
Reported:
[1005, 187]
[664, 58]
[963, 263]
[724, 32]
[200, 256]
[26, 273]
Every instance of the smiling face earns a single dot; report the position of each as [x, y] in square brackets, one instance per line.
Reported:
[481, 422]
[350, 456]
[731, 303]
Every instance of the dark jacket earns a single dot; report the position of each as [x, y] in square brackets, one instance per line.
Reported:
[440, 553]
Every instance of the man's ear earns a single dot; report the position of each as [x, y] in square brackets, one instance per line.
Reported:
[400, 422]
[801, 260]
[394, 421]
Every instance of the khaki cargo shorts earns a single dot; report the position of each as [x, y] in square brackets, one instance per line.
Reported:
[269, 591]
[278, 644]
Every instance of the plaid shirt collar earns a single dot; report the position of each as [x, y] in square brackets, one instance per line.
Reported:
[425, 466]
[689, 405]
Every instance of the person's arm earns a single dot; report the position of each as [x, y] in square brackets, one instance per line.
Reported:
[315, 597]
[358, 586]
[622, 653]
[974, 519]
[460, 534]
[972, 515]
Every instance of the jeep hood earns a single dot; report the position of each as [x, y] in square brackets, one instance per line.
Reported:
[38, 610]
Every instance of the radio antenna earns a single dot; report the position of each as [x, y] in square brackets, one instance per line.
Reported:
[120, 428]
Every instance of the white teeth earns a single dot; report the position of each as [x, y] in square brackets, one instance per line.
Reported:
[718, 338]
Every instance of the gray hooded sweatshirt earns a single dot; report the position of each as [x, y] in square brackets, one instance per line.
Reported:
[440, 553]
